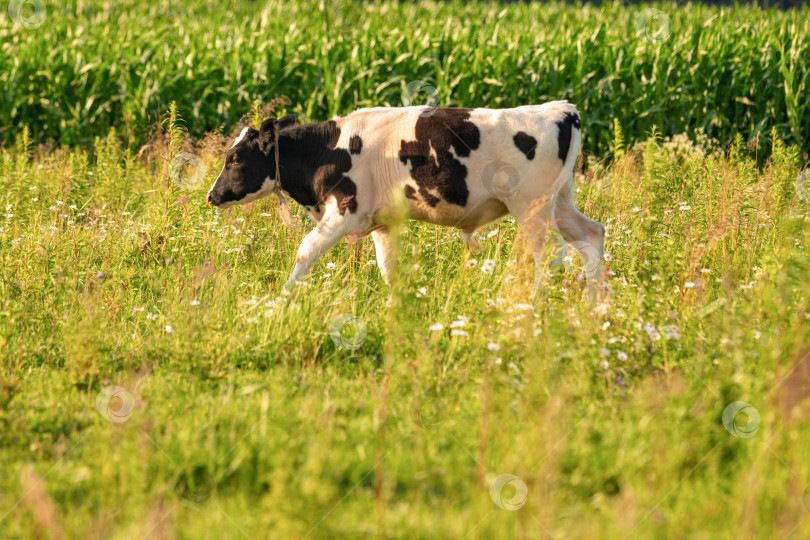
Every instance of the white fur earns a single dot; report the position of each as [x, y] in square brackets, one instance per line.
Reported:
[240, 137]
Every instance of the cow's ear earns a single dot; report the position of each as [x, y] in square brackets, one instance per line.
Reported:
[286, 121]
[268, 134]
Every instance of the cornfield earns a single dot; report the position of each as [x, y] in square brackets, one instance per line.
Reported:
[77, 68]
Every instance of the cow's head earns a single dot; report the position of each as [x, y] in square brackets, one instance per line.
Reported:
[250, 165]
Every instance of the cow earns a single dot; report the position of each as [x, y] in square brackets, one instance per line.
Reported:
[462, 168]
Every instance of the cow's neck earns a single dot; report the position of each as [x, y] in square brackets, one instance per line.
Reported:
[294, 178]
[303, 150]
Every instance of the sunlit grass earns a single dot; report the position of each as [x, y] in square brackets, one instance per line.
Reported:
[247, 416]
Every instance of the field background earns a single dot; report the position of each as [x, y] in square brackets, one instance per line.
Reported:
[154, 382]
[91, 64]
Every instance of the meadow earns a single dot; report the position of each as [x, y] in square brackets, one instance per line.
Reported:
[155, 382]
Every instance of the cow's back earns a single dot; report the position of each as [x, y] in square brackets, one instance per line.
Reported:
[449, 160]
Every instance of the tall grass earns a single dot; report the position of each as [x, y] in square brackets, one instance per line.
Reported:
[94, 64]
[248, 418]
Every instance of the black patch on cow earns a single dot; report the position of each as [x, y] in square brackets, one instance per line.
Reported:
[443, 174]
[564, 138]
[525, 143]
[313, 168]
[355, 144]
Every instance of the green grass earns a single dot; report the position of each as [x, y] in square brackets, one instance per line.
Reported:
[241, 416]
[248, 420]
[91, 65]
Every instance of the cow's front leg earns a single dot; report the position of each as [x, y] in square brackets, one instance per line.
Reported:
[386, 254]
[329, 231]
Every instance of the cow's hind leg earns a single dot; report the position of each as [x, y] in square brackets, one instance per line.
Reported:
[536, 218]
[329, 231]
[585, 235]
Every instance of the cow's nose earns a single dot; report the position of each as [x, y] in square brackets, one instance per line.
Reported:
[210, 198]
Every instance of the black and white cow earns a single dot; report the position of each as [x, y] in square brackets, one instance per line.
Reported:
[462, 168]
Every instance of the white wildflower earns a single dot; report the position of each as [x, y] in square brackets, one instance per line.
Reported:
[672, 332]
[652, 332]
